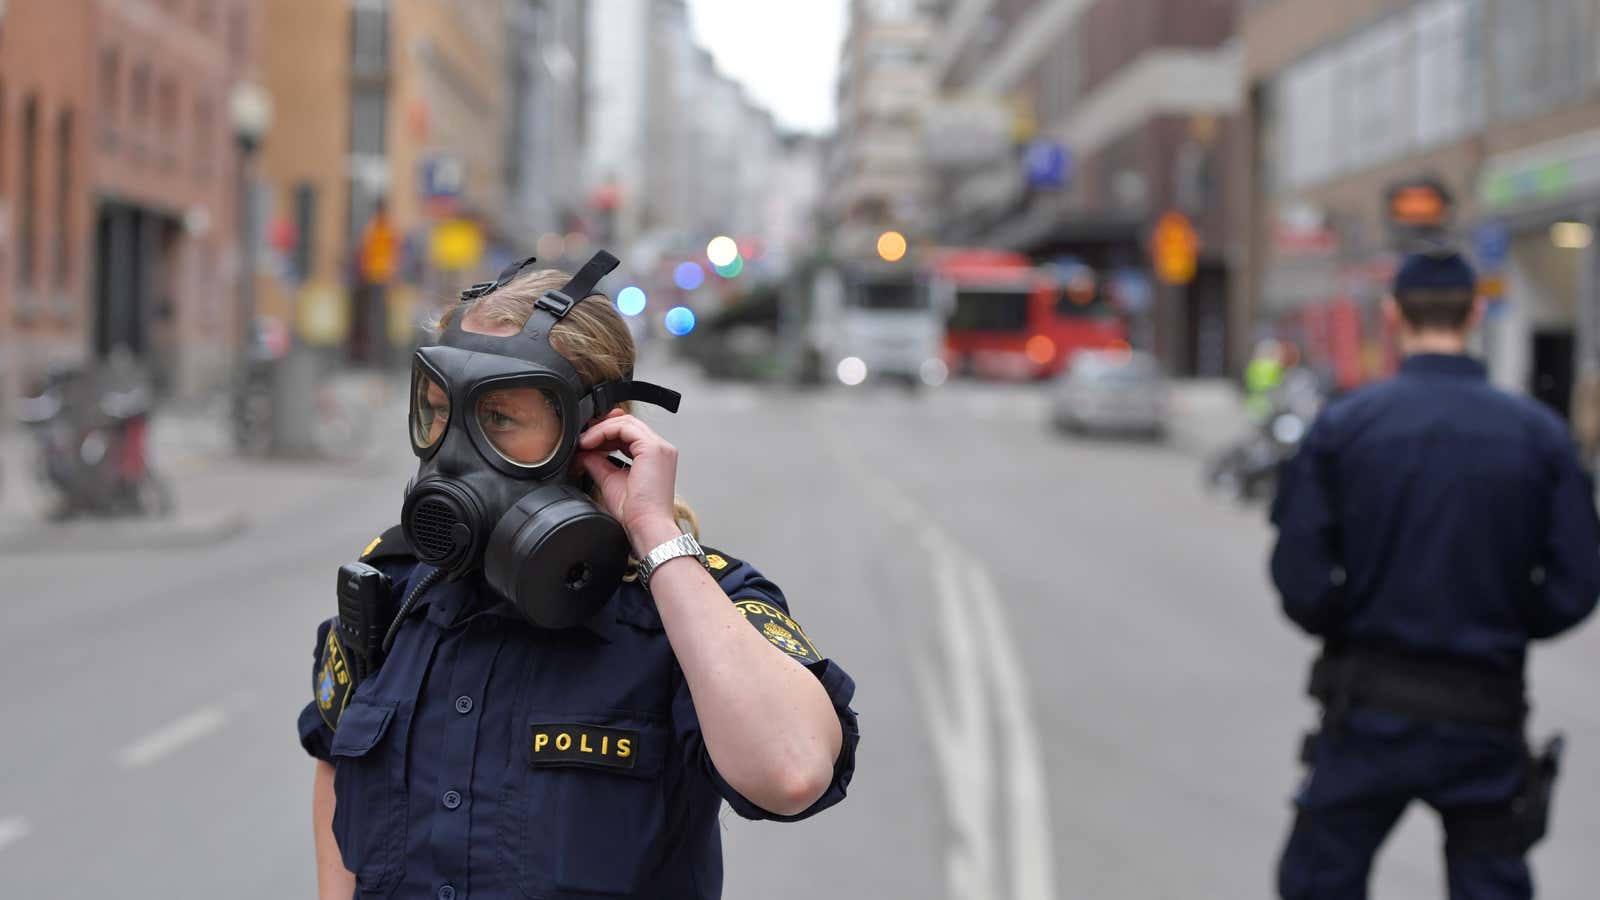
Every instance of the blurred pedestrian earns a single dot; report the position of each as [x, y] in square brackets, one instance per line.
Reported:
[1262, 375]
[1429, 528]
[539, 684]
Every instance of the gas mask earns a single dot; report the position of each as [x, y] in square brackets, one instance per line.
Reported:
[495, 422]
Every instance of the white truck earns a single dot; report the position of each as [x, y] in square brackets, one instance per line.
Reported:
[874, 323]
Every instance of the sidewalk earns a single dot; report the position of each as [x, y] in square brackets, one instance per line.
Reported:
[217, 493]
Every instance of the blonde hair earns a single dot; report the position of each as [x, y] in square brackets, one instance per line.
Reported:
[592, 336]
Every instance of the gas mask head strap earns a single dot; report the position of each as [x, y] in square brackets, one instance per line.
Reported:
[608, 394]
[560, 302]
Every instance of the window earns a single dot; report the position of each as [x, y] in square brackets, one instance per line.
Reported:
[887, 296]
[367, 119]
[1541, 48]
[27, 212]
[305, 221]
[238, 31]
[1446, 71]
[167, 113]
[369, 37]
[141, 94]
[203, 139]
[2, 138]
[1307, 100]
[1409, 81]
[110, 85]
[63, 198]
[990, 311]
[893, 10]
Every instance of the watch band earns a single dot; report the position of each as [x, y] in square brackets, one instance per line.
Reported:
[682, 545]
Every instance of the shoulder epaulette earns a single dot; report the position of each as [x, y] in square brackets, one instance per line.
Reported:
[721, 564]
[392, 544]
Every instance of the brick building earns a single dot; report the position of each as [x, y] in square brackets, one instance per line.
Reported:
[118, 177]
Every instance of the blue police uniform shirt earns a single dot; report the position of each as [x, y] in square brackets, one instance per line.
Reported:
[1434, 514]
[489, 758]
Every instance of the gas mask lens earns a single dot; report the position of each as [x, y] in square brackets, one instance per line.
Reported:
[522, 424]
[430, 409]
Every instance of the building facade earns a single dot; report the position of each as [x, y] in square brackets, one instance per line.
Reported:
[1496, 101]
[118, 184]
[418, 146]
[877, 172]
[1067, 128]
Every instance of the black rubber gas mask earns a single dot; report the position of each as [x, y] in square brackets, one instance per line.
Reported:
[495, 422]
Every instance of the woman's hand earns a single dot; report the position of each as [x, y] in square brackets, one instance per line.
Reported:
[641, 496]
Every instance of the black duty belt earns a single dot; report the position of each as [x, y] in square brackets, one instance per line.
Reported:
[1446, 690]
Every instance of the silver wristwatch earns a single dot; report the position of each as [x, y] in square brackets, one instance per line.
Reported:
[682, 545]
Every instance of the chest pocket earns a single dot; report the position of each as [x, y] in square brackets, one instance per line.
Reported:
[369, 813]
[584, 808]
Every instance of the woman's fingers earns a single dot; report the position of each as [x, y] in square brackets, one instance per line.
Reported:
[624, 432]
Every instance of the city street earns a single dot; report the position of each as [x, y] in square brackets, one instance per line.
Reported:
[1073, 679]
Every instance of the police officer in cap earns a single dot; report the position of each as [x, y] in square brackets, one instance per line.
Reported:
[1429, 528]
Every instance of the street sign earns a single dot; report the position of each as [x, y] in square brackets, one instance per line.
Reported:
[1174, 249]
[443, 177]
[456, 245]
[1418, 209]
[380, 250]
[1491, 244]
[1046, 164]
[1131, 288]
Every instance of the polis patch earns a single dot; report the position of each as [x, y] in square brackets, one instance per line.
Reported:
[331, 684]
[774, 625]
[556, 744]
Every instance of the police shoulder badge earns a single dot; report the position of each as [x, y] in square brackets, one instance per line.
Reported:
[391, 544]
[331, 683]
[720, 564]
[776, 626]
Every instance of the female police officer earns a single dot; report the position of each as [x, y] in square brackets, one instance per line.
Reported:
[509, 738]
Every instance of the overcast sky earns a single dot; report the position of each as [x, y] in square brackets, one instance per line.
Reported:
[785, 53]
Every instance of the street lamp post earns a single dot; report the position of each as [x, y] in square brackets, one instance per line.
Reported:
[250, 112]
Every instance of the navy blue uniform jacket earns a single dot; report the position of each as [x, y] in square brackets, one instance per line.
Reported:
[489, 758]
[1433, 514]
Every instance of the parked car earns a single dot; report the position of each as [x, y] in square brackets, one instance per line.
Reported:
[1108, 391]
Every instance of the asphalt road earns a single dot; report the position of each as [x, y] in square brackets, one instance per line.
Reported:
[1073, 679]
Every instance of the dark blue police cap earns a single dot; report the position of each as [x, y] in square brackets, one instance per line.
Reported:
[1438, 270]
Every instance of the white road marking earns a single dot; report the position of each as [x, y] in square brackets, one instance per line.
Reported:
[172, 737]
[12, 830]
[985, 674]
[1028, 795]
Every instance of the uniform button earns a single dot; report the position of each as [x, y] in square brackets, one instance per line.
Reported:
[448, 892]
[463, 704]
[451, 799]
